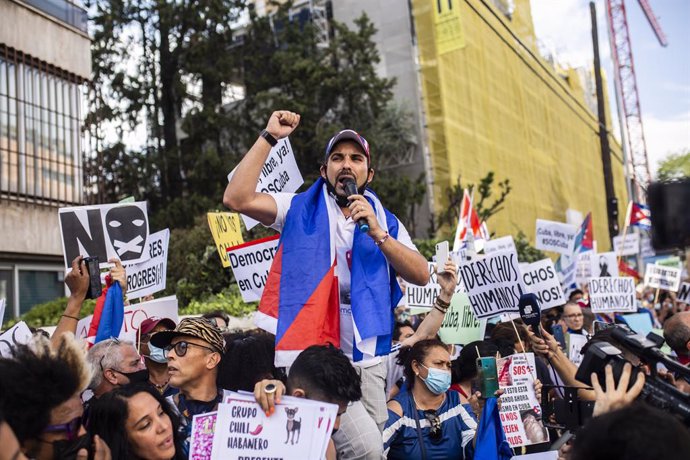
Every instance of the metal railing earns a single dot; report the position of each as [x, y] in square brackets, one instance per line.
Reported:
[64, 11]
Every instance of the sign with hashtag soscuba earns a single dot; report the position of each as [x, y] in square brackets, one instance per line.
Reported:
[105, 231]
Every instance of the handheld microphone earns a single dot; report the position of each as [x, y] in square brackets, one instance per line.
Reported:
[530, 312]
[351, 189]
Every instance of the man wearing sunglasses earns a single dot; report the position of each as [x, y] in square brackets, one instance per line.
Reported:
[194, 350]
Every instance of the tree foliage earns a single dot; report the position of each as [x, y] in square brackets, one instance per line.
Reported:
[674, 166]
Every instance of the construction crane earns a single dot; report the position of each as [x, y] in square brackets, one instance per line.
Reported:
[626, 83]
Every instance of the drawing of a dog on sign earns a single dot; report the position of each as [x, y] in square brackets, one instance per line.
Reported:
[293, 425]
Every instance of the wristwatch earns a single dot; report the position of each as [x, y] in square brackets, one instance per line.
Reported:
[269, 137]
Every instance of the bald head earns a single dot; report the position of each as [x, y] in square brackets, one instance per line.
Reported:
[677, 332]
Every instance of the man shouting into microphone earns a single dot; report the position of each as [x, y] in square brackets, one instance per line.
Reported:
[333, 278]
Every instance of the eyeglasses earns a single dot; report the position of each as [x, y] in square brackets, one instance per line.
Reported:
[436, 431]
[181, 348]
[573, 316]
[71, 428]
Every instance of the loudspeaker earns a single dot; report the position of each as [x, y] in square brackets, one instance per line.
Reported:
[669, 205]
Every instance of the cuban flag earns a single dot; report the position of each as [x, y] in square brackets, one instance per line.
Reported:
[584, 240]
[300, 303]
[469, 224]
[109, 313]
[640, 216]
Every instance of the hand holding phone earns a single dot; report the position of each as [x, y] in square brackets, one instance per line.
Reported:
[487, 376]
[92, 268]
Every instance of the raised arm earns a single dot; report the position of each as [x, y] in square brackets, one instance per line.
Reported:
[240, 194]
[77, 281]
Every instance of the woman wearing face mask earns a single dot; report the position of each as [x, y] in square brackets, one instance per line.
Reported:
[442, 427]
[156, 361]
[136, 423]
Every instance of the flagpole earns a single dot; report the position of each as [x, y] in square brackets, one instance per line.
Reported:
[628, 213]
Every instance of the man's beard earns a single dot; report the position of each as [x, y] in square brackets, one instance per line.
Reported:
[341, 200]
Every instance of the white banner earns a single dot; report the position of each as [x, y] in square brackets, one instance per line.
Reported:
[632, 244]
[661, 277]
[555, 236]
[505, 243]
[607, 295]
[105, 231]
[583, 267]
[684, 293]
[520, 412]
[425, 296]
[604, 264]
[149, 277]
[279, 174]
[3, 304]
[250, 263]
[541, 279]
[493, 283]
[575, 344]
[17, 334]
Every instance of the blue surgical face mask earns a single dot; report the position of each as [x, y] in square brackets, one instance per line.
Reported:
[437, 381]
[157, 355]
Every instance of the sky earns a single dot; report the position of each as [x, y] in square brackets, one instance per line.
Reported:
[663, 74]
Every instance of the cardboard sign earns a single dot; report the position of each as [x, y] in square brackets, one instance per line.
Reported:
[504, 243]
[299, 429]
[203, 429]
[165, 307]
[149, 277]
[604, 264]
[459, 325]
[425, 296]
[520, 412]
[658, 276]
[493, 283]
[632, 244]
[575, 344]
[17, 334]
[279, 174]
[226, 231]
[684, 293]
[541, 279]
[555, 236]
[250, 263]
[607, 295]
[105, 231]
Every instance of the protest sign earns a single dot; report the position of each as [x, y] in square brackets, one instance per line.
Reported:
[612, 294]
[555, 236]
[646, 249]
[520, 412]
[493, 284]
[575, 344]
[250, 263]
[660, 277]
[105, 231]
[641, 323]
[278, 174]
[3, 303]
[603, 264]
[203, 429]
[459, 325]
[632, 244]
[17, 334]
[583, 267]
[165, 307]
[684, 293]
[425, 296]
[149, 277]
[548, 455]
[504, 243]
[226, 231]
[299, 429]
[541, 279]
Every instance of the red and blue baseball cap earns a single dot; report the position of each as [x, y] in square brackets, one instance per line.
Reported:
[347, 135]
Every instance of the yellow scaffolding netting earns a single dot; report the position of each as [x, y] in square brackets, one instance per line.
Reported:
[493, 104]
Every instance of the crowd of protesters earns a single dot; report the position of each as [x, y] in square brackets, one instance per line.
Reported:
[116, 399]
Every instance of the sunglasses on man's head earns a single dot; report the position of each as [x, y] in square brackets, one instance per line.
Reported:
[71, 428]
[182, 347]
[435, 432]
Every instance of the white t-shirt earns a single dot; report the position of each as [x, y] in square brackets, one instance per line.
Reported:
[344, 236]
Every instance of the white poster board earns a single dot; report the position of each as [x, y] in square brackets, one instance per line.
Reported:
[505, 243]
[555, 236]
[608, 295]
[604, 264]
[17, 334]
[105, 231]
[662, 277]
[149, 277]
[684, 293]
[279, 174]
[250, 263]
[632, 244]
[425, 296]
[583, 267]
[575, 344]
[541, 279]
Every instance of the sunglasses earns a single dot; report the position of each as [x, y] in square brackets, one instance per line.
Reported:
[182, 347]
[71, 428]
[435, 432]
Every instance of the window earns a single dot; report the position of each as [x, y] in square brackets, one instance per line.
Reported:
[39, 286]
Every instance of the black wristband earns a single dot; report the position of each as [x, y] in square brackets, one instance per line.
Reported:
[269, 137]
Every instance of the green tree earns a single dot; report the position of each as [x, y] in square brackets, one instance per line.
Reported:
[674, 166]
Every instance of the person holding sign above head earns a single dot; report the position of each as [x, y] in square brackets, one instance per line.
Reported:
[333, 278]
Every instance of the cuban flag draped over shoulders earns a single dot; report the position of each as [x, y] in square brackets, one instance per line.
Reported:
[300, 302]
[640, 216]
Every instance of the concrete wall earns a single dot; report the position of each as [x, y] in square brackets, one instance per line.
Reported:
[29, 229]
[42, 37]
